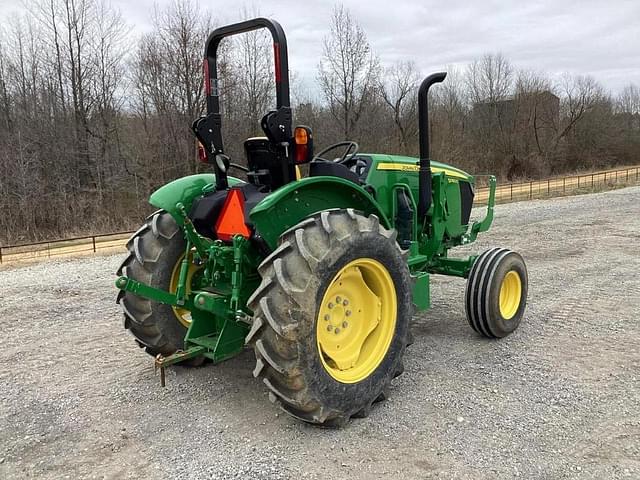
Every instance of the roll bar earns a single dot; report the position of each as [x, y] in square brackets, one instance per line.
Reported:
[281, 59]
[208, 129]
[424, 174]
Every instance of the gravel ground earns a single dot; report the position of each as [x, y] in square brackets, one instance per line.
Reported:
[558, 399]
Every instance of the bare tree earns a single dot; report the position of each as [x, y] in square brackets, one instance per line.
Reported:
[581, 94]
[347, 71]
[489, 83]
[5, 106]
[169, 89]
[181, 31]
[399, 91]
[449, 116]
[490, 79]
[253, 72]
[628, 101]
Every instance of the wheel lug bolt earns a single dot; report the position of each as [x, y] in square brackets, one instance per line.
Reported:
[347, 313]
[330, 305]
[346, 302]
[337, 331]
[345, 324]
[329, 328]
[327, 317]
[338, 299]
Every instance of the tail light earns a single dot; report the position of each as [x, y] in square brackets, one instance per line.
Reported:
[231, 220]
[303, 144]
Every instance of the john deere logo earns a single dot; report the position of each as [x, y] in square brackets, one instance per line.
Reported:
[409, 167]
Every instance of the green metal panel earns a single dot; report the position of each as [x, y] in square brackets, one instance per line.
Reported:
[389, 170]
[184, 191]
[453, 208]
[421, 294]
[443, 228]
[295, 201]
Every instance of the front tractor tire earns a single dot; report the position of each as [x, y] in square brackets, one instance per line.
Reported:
[155, 253]
[331, 317]
[496, 293]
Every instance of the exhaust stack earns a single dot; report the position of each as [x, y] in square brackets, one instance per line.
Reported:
[424, 198]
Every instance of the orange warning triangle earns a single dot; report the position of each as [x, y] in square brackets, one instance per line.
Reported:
[231, 219]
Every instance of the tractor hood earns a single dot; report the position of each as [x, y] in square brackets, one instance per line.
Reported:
[399, 163]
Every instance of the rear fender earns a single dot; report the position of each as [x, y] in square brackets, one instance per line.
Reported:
[296, 201]
[184, 190]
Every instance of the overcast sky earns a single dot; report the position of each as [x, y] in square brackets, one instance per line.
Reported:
[599, 38]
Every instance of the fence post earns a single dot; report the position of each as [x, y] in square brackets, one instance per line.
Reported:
[548, 185]
[94, 243]
[511, 191]
[530, 190]
[564, 185]
[0, 254]
[592, 181]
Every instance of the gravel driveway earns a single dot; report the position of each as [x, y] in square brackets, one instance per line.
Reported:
[558, 399]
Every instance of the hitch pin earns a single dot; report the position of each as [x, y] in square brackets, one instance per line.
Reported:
[158, 361]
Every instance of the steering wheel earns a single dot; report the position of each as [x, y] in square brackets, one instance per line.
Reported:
[352, 149]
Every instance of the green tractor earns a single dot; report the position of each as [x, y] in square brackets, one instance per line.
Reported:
[320, 275]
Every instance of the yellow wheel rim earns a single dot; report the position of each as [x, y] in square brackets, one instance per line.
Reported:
[183, 315]
[510, 294]
[356, 320]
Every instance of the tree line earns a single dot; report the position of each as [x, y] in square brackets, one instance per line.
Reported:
[93, 118]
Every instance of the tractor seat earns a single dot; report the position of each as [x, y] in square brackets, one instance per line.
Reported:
[331, 169]
[264, 166]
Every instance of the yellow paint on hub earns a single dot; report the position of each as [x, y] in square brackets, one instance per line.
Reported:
[356, 320]
[510, 294]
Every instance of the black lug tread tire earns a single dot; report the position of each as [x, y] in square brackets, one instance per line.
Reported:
[483, 289]
[153, 252]
[294, 278]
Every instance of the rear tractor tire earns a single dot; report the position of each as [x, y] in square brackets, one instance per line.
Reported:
[155, 254]
[496, 293]
[331, 317]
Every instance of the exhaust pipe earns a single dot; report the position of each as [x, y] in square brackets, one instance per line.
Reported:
[424, 198]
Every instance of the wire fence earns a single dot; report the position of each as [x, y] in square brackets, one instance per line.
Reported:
[553, 187]
[67, 247]
[115, 242]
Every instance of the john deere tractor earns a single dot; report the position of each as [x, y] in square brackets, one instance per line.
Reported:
[321, 275]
